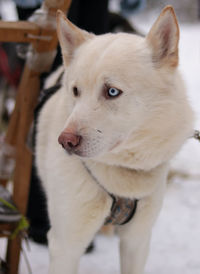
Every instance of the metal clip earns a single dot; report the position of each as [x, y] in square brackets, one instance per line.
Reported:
[197, 135]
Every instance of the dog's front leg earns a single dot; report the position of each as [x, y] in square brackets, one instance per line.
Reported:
[134, 254]
[63, 258]
[135, 236]
[74, 220]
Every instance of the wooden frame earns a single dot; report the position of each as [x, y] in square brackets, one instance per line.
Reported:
[43, 40]
[21, 31]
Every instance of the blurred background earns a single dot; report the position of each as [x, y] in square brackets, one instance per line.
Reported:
[175, 244]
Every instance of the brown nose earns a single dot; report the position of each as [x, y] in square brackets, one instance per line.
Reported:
[69, 141]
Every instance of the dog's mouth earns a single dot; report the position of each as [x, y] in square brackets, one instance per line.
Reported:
[86, 148]
[75, 144]
[81, 153]
[90, 153]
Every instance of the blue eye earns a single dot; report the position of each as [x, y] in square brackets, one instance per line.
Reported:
[111, 93]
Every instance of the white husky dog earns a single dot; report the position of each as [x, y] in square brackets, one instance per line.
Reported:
[111, 129]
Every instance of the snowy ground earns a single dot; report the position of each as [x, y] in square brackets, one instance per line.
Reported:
[175, 244]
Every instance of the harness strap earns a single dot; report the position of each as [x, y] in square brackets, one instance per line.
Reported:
[122, 209]
[196, 135]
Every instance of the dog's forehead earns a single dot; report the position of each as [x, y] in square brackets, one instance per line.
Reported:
[117, 46]
[110, 53]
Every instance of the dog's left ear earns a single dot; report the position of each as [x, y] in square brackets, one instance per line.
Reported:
[70, 37]
[164, 37]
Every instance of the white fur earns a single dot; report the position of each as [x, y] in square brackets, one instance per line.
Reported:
[127, 141]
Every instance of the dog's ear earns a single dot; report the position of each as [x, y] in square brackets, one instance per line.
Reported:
[70, 36]
[164, 37]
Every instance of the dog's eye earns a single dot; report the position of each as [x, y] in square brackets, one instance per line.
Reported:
[111, 93]
[76, 91]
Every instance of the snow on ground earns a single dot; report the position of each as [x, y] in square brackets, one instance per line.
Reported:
[175, 244]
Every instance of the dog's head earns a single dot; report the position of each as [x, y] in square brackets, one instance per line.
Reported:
[124, 91]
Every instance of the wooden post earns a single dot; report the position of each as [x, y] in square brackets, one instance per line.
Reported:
[22, 31]
[21, 120]
[23, 115]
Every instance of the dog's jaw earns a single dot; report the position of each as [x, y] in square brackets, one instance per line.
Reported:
[92, 147]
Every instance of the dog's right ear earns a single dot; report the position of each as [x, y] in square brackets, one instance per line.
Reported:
[70, 37]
